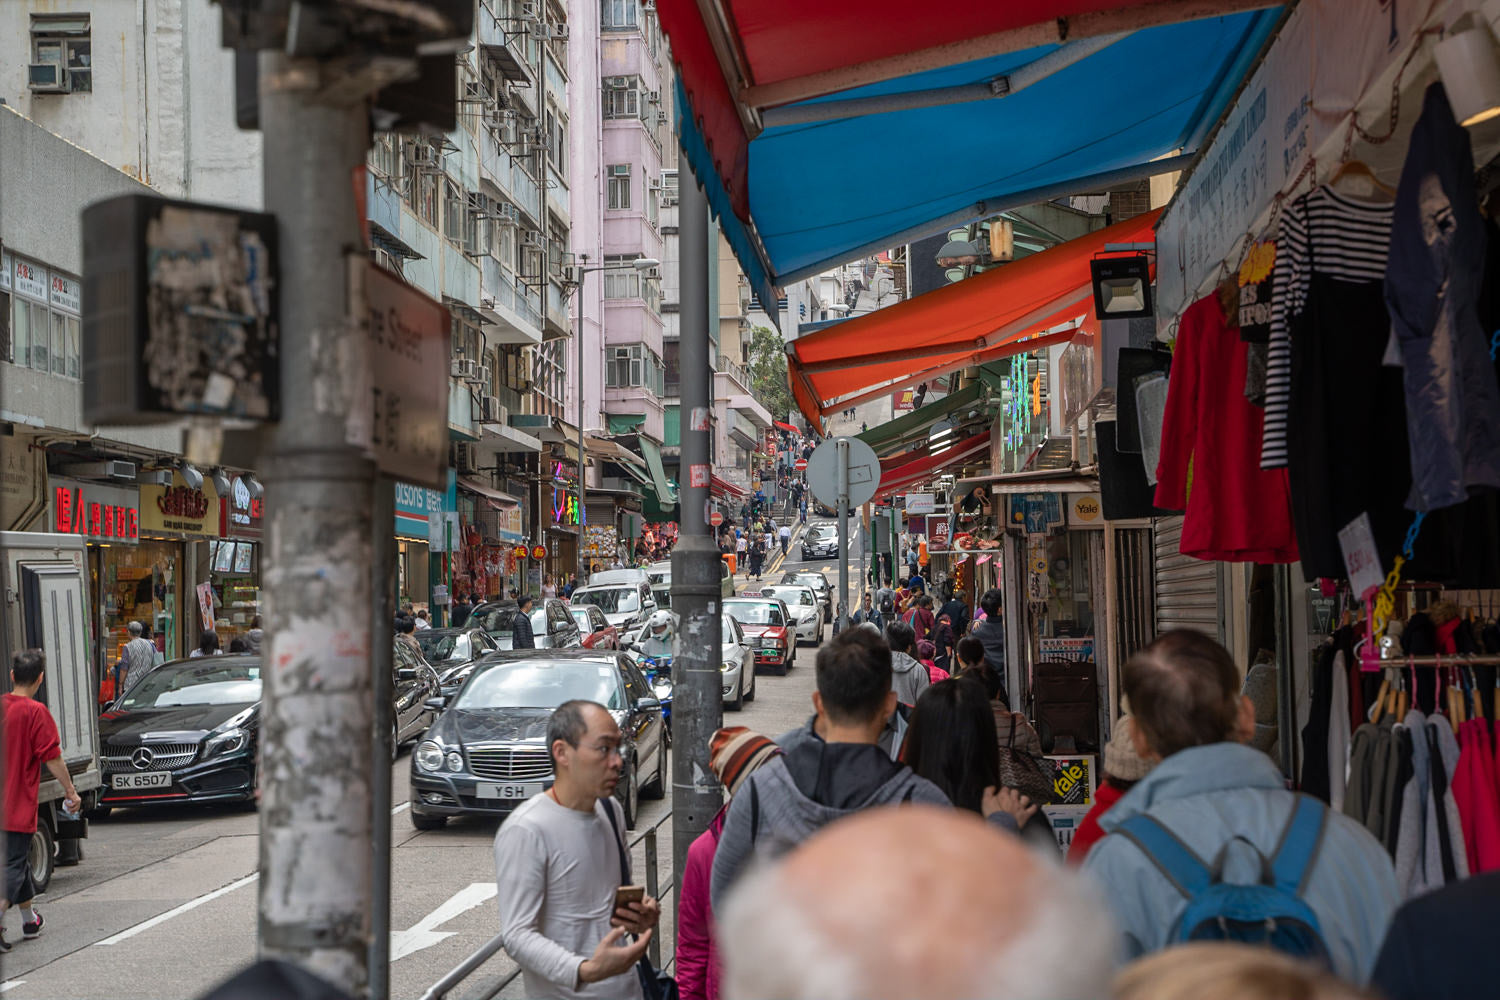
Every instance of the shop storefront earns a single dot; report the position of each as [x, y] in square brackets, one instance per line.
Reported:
[233, 572]
[177, 524]
[417, 508]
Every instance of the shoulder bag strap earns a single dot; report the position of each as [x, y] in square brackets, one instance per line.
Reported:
[1300, 841]
[609, 813]
[1174, 859]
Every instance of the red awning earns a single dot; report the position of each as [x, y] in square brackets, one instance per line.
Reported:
[928, 466]
[1005, 310]
[783, 425]
[725, 490]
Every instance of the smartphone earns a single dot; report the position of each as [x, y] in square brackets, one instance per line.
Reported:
[627, 894]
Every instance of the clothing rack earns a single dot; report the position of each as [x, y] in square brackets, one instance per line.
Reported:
[1371, 661]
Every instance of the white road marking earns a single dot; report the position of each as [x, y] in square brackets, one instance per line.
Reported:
[11, 984]
[401, 808]
[423, 934]
[177, 911]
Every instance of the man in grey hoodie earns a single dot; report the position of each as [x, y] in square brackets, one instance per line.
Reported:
[909, 676]
[821, 777]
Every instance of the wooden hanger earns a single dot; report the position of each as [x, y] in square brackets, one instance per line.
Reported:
[1363, 182]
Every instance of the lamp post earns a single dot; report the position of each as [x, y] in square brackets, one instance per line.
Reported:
[641, 264]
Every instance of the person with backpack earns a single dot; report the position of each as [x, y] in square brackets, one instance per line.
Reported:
[1210, 845]
[920, 618]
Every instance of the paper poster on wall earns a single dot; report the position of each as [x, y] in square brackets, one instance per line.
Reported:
[206, 605]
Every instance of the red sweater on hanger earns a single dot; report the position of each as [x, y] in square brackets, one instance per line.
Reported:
[1211, 436]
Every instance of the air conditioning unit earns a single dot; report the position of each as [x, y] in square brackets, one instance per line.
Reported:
[651, 272]
[653, 97]
[465, 457]
[47, 78]
[462, 368]
[528, 12]
[557, 31]
[661, 118]
[506, 214]
[474, 91]
[492, 412]
[384, 259]
[653, 184]
[500, 117]
[420, 154]
[617, 82]
[534, 239]
[568, 274]
[110, 468]
[481, 375]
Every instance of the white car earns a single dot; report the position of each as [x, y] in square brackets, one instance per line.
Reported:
[807, 611]
[625, 605]
[737, 666]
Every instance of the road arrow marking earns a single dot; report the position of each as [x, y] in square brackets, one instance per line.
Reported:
[11, 984]
[424, 933]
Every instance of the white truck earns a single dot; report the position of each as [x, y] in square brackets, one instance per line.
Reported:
[46, 605]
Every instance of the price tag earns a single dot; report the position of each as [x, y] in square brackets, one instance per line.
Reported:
[1361, 557]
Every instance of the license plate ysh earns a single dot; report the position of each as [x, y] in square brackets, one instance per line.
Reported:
[507, 789]
[155, 779]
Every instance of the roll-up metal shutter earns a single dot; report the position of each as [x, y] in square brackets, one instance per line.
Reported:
[1135, 597]
[1187, 589]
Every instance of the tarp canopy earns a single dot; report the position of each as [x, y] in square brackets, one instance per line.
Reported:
[899, 434]
[940, 116]
[651, 452]
[783, 425]
[979, 319]
[922, 469]
[725, 490]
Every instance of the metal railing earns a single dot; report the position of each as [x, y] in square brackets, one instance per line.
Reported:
[463, 970]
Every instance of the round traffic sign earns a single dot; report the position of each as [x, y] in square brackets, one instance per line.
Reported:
[800, 464]
[716, 519]
[823, 471]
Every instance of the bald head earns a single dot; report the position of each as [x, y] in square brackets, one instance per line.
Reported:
[914, 901]
[1184, 692]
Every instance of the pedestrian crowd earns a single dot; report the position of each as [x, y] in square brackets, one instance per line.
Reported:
[894, 846]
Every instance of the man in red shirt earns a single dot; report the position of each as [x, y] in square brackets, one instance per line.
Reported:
[30, 740]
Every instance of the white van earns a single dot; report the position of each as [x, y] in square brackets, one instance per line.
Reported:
[617, 576]
[45, 581]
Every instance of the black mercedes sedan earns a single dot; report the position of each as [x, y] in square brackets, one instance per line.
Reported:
[186, 732]
[487, 753]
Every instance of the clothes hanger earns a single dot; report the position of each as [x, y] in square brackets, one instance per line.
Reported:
[1355, 178]
[1403, 699]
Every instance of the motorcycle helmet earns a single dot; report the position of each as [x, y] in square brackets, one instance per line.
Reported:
[658, 624]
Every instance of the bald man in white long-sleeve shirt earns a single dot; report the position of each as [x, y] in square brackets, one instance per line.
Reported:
[558, 861]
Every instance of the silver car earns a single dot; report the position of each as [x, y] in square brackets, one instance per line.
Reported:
[552, 625]
[738, 665]
[806, 609]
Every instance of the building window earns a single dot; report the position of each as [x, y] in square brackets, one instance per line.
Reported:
[623, 282]
[61, 61]
[634, 366]
[622, 97]
[453, 212]
[619, 185]
[383, 155]
[620, 13]
[557, 144]
[44, 325]
[653, 203]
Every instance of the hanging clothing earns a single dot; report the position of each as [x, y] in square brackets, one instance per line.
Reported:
[1354, 239]
[1349, 454]
[1476, 792]
[1316, 780]
[1338, 732]
[1443, 820]
[1432, 288]
[1235, 511]
[1417, 869]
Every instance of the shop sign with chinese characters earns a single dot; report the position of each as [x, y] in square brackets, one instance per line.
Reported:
[108, 514]
[180, 509]
[239, 513]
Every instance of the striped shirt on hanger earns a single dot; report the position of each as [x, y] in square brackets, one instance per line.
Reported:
[1339, 237]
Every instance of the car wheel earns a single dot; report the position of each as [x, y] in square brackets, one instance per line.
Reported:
[395, 742]
[658, 787]
[629, 794]
[749, 695]
[40, 857]
[738, 704]
[422, 821]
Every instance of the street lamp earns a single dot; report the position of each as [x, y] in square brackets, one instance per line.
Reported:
[638, 264]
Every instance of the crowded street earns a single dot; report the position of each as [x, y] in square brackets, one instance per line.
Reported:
[796, 499]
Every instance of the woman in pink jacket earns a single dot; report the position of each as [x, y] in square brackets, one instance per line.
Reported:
[734, 752]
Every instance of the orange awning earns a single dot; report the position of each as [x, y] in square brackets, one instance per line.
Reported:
[968, 323]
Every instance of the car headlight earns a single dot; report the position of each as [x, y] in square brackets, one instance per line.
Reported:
[429, 756]
[229, 741]
[455, 760]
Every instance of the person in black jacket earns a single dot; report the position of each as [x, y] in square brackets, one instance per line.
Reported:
[1439, 946]
[521, 634]
[991, 632]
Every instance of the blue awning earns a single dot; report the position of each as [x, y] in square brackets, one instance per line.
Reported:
[818, 193]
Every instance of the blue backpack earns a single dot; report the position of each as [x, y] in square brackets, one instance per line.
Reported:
[1271, 913]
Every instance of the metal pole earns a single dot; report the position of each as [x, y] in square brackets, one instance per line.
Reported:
[843, 614]
[583, 516]
[382, 613]
[316, 865]
[697, 706]
[864, 537]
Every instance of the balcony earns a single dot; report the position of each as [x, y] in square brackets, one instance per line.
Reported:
[506, 48]
[510, 308]
[557, 80]
[557, 324]
[517, 184]
[738, 372]
[743, 431]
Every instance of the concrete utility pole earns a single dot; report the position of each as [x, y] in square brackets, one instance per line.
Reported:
[317, 768]
[697, 703]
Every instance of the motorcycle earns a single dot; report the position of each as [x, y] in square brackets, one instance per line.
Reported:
[658, 671]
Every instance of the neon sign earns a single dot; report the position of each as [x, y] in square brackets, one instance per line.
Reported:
[565, 509]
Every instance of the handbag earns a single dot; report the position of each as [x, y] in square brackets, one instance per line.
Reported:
[655, 984]
[1021, 761]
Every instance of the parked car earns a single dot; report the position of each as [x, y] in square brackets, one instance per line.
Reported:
[415, 681]
[767, 626]
[631, 574]
[487, 753]
[659, 572]
[552, 625]
[624, 604]
[821, 542]
[819, 584]
[661, 581]
[449, 650]
[738, 664]
[805, 608]
[596, 630]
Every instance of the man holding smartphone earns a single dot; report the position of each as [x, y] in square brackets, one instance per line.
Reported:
[563, 910]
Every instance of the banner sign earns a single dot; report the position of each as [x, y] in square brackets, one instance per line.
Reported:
[1328, 56]
[938, 537]
[180, 509]
[109, 514]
